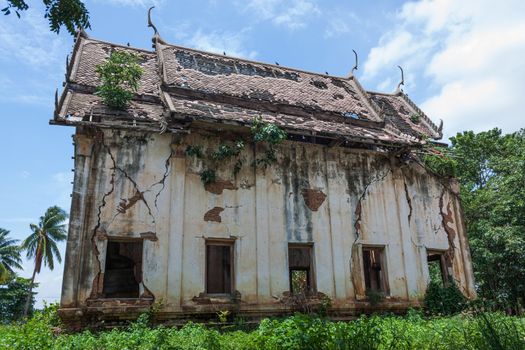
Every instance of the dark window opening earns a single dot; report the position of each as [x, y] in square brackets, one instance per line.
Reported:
[219, 268]
[123, 272]
[374, 269]
[437, 269]
[300, 269]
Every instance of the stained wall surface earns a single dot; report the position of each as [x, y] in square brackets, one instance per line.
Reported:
[143, 186]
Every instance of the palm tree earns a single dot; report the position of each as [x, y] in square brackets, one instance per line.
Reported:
[41, 245]
[9, 255]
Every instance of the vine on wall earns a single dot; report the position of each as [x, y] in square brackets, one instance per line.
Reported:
[261, 132]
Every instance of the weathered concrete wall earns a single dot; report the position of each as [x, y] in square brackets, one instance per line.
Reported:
[143, 186]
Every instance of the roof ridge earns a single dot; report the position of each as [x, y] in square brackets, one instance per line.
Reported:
[436, 129]
[120, 45]
[253, 61]
[422, 114]
[375, 108]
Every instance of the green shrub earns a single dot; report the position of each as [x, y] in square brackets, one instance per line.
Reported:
[13, 295]
[36, 333]
[120, 76]
[444, 300]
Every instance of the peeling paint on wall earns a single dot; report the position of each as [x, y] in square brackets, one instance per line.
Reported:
[214, 214]
[313, 198]
[218, 187]
[141, 187]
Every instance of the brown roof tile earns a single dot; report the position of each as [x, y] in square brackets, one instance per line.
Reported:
[216, 74]
[196, 85]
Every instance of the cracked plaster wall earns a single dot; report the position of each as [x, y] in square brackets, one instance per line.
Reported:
[144, 186]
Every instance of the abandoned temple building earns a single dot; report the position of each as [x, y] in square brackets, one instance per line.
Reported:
[341, 212]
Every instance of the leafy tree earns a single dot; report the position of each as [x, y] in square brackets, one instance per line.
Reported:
[9, 255]
[41, 245]
[69, 13]
[12, 298]
[490, 168]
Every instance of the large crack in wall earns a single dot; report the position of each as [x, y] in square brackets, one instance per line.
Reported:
[358, 208]
[99, 231]
[447, 218]
[356, 271]
[139, 195]
[95, 291]
[409, 201]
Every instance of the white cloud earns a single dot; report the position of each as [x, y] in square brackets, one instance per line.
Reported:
[470, 53]
[292, 14]
[395, 48]
[264, 9]
[336, 26]
[294, 17]
[28, 41]
[218, 42]
[27, 44]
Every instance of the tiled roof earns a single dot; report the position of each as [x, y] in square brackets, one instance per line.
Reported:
[215, 74]
[92, 53]
[402, 113]
[180, 85]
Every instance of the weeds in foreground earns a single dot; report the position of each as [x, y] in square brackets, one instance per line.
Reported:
[298, 332]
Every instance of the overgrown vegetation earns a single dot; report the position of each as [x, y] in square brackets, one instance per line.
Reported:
[444, 299]
[270, 134]
[298, 332]
[13, 295]
[40, 246]
[490, 168]
[263, 132]
[120, 76]
[415, 118]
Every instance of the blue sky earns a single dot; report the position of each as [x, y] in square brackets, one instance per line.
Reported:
[464, 63]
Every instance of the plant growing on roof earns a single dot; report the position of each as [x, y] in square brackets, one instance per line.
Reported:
[267, 132]
[120, 76]
[415, 118]
[270, 133]
[225, 151]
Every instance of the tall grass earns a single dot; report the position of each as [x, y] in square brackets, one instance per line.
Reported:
[299, 332]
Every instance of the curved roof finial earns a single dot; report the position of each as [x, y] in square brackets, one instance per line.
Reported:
[150, 23]
[402, 82]
[356, 64]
